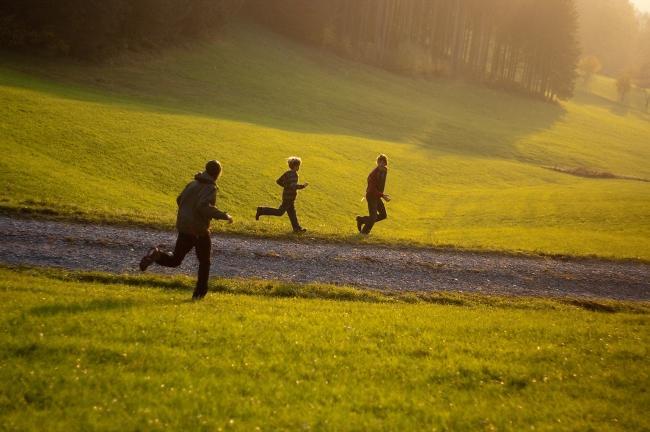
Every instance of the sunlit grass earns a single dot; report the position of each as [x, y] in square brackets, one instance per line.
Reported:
[118, 142]
[82, 352]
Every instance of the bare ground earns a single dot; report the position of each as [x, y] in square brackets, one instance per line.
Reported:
[118, 250]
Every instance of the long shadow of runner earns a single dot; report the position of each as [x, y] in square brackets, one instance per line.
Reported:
[76, 308]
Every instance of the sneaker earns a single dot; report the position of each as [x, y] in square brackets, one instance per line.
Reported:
[149, 258]
[300, 230]
[257, 214]
[359, 224]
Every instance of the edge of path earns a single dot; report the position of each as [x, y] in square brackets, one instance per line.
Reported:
[45, 214]
[325, 291]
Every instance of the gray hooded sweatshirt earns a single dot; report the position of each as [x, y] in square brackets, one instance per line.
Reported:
[196, 206]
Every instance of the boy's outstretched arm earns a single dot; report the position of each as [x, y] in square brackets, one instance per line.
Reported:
[214, 213]
[289, 182]
[206, 206]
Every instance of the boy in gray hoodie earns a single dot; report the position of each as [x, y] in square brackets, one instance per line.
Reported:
[196, 208]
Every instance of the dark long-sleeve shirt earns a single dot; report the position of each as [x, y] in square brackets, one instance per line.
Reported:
[289, 181]
[376, 182]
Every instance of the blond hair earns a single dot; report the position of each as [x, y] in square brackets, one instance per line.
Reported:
[294, 161]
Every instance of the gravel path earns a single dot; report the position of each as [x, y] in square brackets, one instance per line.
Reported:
[118, 250]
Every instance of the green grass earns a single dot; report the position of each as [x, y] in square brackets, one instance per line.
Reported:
[117, 142]
[86, 351]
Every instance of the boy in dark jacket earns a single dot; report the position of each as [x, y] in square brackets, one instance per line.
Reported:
[196, 208]
[374, 195]
[288, 181]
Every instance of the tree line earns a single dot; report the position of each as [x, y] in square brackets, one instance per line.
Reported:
[615, 39]
[639, 69]
[641, 72]
[526, 45]
[609, 31]
[96, 28]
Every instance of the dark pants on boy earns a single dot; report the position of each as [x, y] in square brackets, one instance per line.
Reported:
[376, 213]
[288, 207]
[203, 247]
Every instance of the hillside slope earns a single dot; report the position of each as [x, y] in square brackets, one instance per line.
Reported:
[117, 142]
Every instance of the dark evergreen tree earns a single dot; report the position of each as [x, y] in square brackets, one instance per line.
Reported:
[526, 45]
[93, 28]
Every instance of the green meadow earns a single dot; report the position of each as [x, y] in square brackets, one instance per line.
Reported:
[85, 351]
[116, 142]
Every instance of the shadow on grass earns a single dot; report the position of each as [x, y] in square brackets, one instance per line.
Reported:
[618, 108]
[277, 289]
[316, 92]
[40, 351]
[75, 308]
[593, 306]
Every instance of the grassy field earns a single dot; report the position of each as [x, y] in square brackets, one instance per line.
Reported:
[83, 352]
[117, 142]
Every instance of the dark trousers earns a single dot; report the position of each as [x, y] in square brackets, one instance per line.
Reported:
[376, 213]
[203, 248]
[287, 207]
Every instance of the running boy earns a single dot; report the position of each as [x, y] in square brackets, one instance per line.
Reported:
[374, 195]
[288, 181]
[196, 207]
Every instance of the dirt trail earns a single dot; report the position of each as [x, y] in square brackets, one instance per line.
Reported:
[118, 250]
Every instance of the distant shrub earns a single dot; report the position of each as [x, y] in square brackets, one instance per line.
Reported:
[589, 66]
